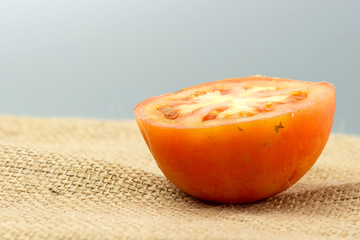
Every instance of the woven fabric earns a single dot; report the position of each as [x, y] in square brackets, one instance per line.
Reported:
[94, 179]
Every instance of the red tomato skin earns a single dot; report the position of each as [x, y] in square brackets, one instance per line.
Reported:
[242, 162]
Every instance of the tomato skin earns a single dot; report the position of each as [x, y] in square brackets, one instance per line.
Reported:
[242, 162]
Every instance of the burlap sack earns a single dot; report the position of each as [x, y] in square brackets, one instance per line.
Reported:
[92, 179]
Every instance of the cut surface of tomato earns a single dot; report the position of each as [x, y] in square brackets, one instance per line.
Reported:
[238, 140]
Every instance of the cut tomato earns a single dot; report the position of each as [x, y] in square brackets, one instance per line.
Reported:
[238, 140]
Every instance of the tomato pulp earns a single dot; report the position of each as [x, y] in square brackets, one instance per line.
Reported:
[238, 140]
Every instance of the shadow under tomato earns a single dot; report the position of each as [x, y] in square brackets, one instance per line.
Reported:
[304, 199]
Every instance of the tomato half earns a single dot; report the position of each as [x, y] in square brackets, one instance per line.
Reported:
[238, 140]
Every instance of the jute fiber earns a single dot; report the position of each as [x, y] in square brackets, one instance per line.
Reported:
[94, 179]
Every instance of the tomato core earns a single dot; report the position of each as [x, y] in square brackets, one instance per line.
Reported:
[241, 101]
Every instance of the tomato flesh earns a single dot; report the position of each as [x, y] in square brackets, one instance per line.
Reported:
[238, 140]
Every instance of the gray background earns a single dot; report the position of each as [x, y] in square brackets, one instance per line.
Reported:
[98, 59]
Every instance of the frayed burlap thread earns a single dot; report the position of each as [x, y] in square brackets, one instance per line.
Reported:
[94, 179]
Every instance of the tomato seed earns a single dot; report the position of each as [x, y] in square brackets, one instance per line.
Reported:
[214, 113]
[169, 111]
[297, 95]
[172, 115]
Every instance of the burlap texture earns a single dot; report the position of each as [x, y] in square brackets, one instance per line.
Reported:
[92, 179]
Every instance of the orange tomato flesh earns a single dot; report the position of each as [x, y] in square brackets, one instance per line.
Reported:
[238, 140]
